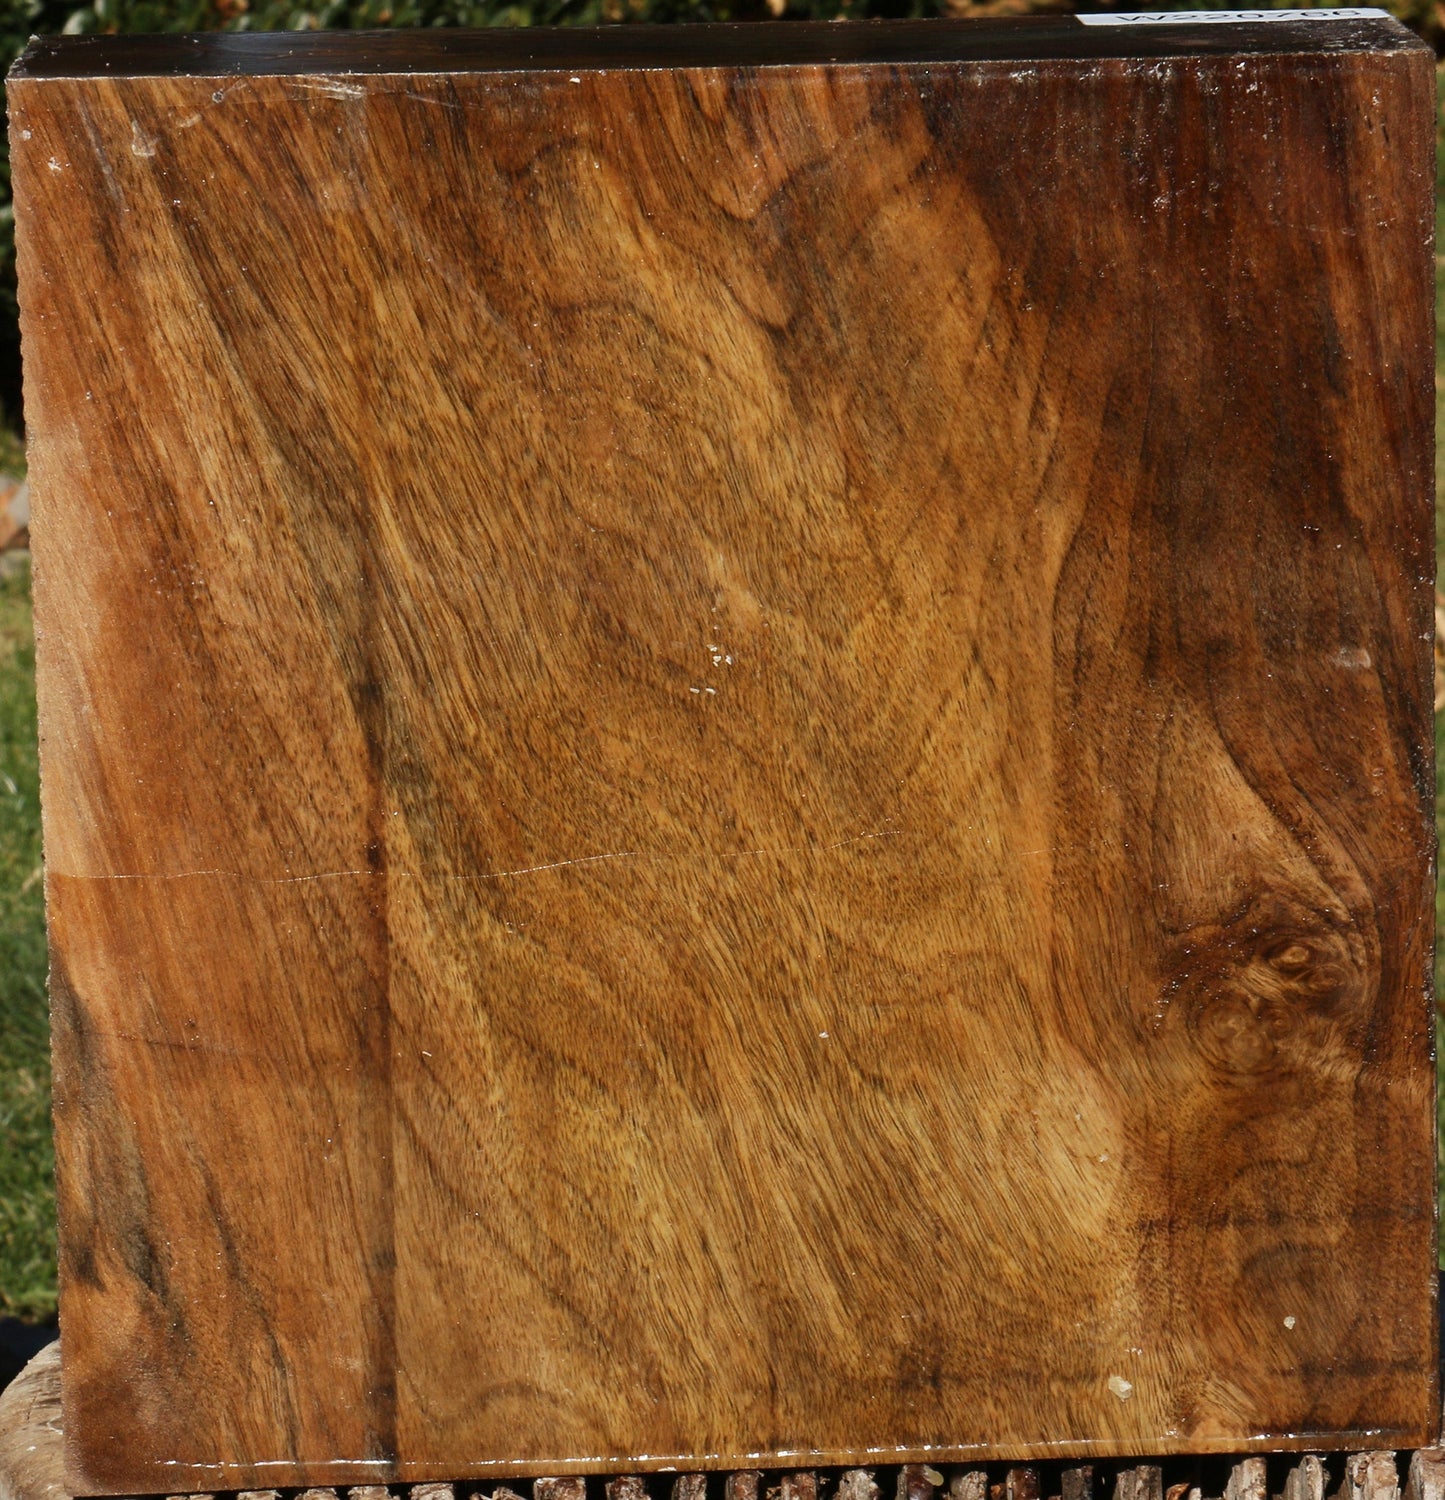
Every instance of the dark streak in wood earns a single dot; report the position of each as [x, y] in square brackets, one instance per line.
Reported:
[737, 748]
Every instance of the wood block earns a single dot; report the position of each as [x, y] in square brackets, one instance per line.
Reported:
[736, 743]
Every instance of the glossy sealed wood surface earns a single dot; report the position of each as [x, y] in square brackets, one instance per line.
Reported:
[737, 760]
[734, 45]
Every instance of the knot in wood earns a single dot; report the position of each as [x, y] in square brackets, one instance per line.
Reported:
[1267, 992]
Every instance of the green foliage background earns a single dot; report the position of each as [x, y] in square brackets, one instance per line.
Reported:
[27, 1194]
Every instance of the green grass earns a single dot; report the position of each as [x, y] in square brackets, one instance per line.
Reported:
[27, 1194]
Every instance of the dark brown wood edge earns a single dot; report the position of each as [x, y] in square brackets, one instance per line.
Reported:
[714, 44]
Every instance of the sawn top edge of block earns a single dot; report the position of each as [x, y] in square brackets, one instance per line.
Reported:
[715, 44]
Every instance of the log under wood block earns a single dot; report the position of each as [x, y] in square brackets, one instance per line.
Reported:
[860, 1484]
[736, 744]
[1426, 1475]
[1307, 1480]
[1370, 1476]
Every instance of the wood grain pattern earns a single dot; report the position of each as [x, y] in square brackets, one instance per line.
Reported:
[32, 1463]
[737, 758]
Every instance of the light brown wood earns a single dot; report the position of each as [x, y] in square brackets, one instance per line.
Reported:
[859, 1484]
[737, 759]
[1247, 1481]
[1370, 1476]
[31, 1465]
[1307, 1480]
[1147, 1483]
[1426, 1476]
[559, 1489]
[32, 1461]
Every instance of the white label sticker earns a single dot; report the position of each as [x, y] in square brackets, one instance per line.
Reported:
[1234, 17]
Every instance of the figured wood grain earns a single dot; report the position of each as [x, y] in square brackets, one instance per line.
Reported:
[736, 758]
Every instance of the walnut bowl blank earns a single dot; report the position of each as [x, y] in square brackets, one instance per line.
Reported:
[736, 743]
